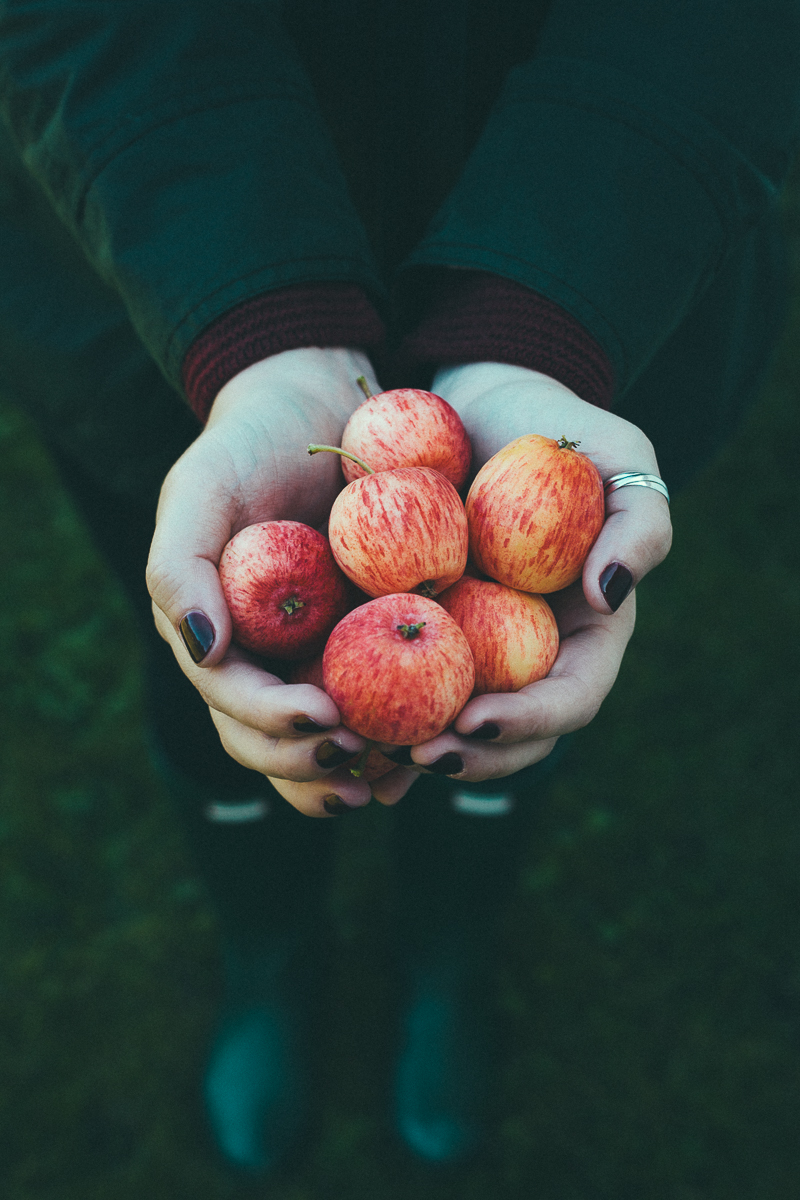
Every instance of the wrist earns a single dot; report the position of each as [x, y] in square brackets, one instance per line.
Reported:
[325, 314]
[461, 383]
[306, 379]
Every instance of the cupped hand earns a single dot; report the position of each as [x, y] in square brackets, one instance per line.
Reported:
[497, 735]
[251, 464]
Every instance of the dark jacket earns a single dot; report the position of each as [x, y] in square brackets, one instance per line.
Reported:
[164, 162]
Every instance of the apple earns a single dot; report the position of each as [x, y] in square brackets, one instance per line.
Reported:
[513, 635]
[283, 588]
[534, 511]
[401, 530]
[407, 427]
[375, 764]
[399, 669]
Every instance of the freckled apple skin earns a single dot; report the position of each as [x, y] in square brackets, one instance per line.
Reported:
[392, 689]
[274, 562]
[534, 512]
[399, 530]
[407, 427]
[513, 635]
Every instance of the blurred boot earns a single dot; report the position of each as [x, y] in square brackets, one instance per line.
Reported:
[266, 868]
[459, 849]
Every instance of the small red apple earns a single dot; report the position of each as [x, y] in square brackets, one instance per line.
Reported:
[398, 669]
[407, 427]
[534, 512]
[403, 530]
[283, 588]
[513, 635]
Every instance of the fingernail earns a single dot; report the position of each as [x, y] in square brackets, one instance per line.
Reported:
[198, 634]
[448, 764]
[336, 806]
[615, 583]
[306, 725]
[402, 756]
[331, 755]
[485, 732]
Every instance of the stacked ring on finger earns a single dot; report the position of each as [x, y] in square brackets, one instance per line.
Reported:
[636, 479]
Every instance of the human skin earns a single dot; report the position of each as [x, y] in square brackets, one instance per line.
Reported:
[248, 466]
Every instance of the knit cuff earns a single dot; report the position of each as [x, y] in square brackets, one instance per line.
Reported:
[477, 317]
[307, 314]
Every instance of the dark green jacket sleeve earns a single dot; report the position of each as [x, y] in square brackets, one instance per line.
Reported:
[627, 159]
[166, 136]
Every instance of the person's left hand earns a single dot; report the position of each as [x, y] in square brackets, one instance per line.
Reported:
[497, 735]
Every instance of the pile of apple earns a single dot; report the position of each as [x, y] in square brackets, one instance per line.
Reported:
[450, 594]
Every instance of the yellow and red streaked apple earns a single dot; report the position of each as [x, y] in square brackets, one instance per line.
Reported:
[283, 588]
[534, 512]
[399, 669]
[513, 635]
[407, 427]
[402, 530]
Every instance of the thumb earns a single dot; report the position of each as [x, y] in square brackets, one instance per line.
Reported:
[636, 537]
[192, 530]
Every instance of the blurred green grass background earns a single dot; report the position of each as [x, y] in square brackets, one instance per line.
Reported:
[651, 974]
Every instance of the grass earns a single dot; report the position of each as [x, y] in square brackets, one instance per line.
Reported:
[651, 974]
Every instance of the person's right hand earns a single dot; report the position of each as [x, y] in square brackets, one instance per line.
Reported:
[251, 464]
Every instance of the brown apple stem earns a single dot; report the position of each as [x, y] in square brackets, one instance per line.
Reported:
[427, 588]
[362, 383]
[358, 766]
[345, 454]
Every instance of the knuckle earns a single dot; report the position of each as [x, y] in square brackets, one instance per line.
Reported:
[161, 581]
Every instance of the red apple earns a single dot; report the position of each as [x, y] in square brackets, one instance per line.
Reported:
[513, 635]
[407, 428]
[283, 588]
[398, 669]
[400, 531]
[534, 512]
[376, 764]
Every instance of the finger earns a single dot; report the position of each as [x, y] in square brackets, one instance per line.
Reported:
[303, 760]
[635, 537]
[336, 796]
[456, 758]
[245, 691]
[193, 527]
[393, 786]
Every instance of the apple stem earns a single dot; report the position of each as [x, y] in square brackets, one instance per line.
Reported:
[409, 632]
[291, 604]
[362, 383]
[564, 444]
[358, 766]
[345, 454]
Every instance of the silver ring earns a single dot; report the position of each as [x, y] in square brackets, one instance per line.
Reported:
[636, 479]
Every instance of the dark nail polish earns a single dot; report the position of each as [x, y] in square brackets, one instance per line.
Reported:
[402, 756]
[306, 725]
[198, 634]
[485, 732]
[615, 584]
[448, 764]
[336, 806]
[331, 755]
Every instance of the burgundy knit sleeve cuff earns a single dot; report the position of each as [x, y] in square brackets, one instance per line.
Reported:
[304, 314]
[477, 317]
